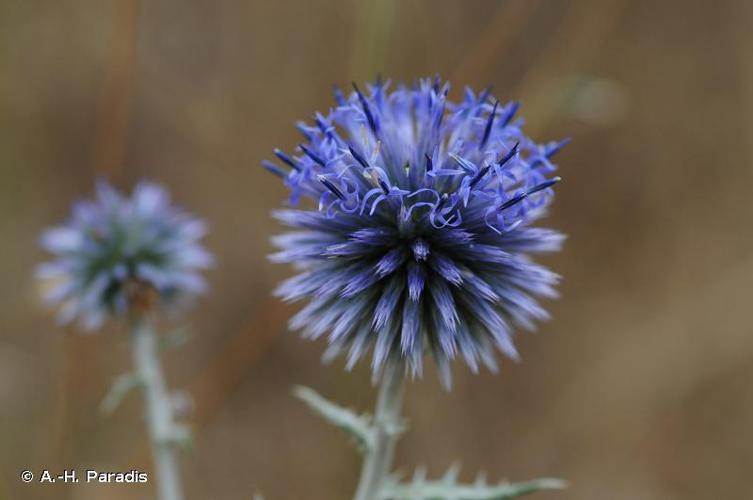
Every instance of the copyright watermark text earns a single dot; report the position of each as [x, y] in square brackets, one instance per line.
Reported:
[83, 476]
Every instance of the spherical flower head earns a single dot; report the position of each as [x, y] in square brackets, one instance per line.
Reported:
[423, 234]
[116, 254]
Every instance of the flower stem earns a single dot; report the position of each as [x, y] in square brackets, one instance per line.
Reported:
[378, 461]
[159, 411]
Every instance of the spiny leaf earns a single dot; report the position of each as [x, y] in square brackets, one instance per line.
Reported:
[447, 488]
[357, 426]
[118, 390]
[438, 490]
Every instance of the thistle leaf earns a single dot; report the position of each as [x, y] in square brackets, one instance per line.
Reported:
[358, 426]
[447, 488]
[118, 390]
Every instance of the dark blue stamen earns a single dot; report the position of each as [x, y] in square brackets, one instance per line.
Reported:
[429, 164]
[328, 184]
[509, 155]
[524, 195]
[286, 159]
[556, 147]
[479, 175]
[489, 124]
[509, 113]
[435, 86]
[442, 200]
[366, 109]
[549, 152]
[384, 186]
[512, 201]
[271, 167]
[544, 185]
[312, 155]
[323, 126]
[360, 159]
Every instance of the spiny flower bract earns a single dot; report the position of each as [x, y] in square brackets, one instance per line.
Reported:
[422, 235]
[114, 245]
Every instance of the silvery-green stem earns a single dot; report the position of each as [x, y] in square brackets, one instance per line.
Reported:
[378, 460]
[159, 411]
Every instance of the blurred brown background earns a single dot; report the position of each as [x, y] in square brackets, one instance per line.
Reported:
[640, 388]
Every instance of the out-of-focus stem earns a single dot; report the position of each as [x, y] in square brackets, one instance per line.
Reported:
[159, 411]
[378, 461]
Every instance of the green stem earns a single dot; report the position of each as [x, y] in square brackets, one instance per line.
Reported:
[159, 411]
[378, 461]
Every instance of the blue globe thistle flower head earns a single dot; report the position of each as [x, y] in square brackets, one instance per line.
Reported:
[116, 252]
[423, 234]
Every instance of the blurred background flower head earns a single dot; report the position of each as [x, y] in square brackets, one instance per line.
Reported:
[116, 253]
[422, 238]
